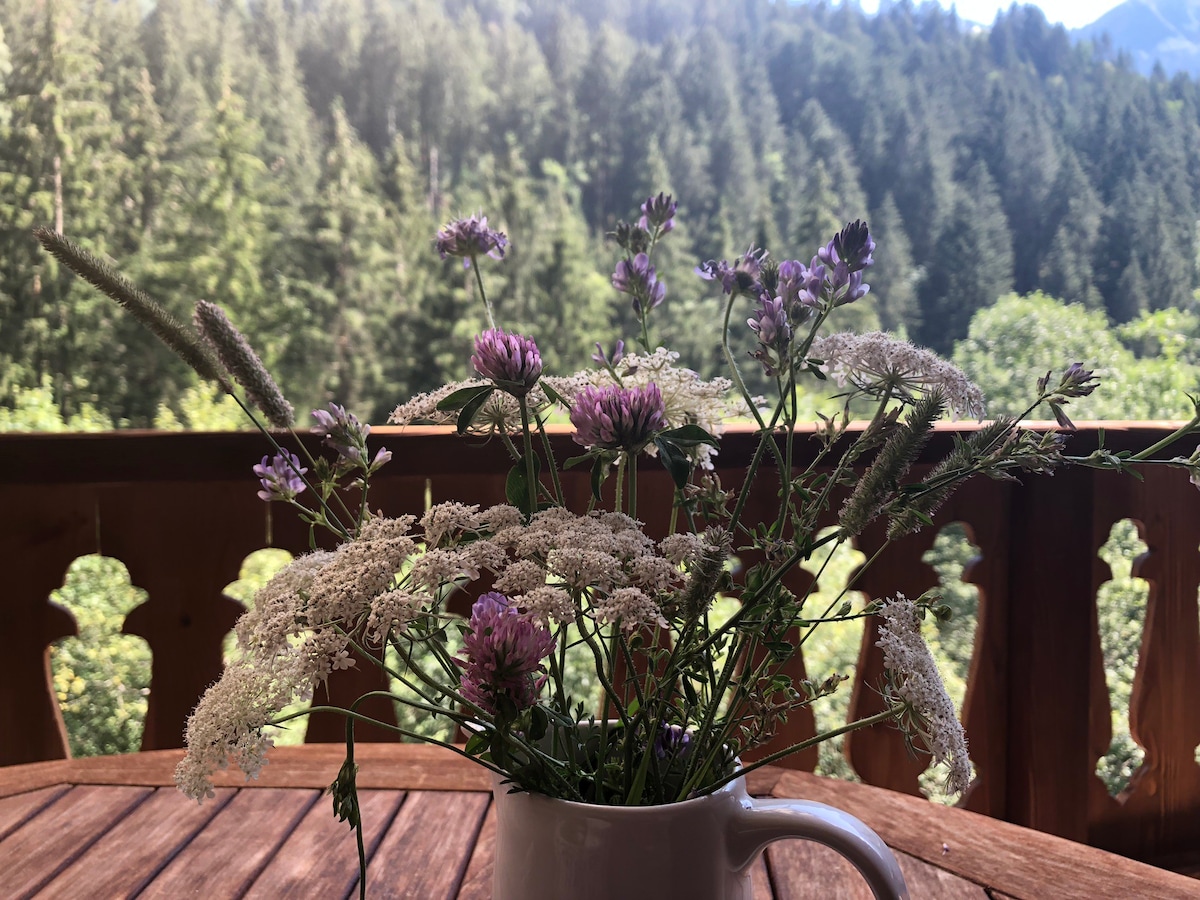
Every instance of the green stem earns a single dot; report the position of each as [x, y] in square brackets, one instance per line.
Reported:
[482, 293]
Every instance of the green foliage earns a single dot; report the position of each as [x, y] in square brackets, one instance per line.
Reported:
[101, 677]
[1012, 344]
[292, 162]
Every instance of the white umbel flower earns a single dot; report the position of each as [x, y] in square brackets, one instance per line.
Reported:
[918, 683]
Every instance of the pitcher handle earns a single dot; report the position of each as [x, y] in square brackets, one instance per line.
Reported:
[760, 822]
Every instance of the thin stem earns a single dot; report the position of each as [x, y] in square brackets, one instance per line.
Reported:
[482, 293]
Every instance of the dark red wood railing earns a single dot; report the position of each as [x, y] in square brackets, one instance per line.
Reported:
[180, 511]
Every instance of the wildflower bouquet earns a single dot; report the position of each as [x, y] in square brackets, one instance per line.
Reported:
[683, 691]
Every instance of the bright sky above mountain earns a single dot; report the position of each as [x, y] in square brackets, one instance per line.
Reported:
[1071, 13]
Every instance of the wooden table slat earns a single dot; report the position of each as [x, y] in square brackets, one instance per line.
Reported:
[133, 851]
[16, 810]
[224, 859]
[425, 853]
[51, 840]
[994, 854]
[477, 882]
[320, 858]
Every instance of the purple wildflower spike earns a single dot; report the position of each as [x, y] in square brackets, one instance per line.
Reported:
[658, 212]
[637, 278]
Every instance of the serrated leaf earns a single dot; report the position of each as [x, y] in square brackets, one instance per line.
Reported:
[462, 397]
[472, 407]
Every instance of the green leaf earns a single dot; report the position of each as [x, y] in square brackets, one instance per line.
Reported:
[674, 461]
[689, 436]
[538, 723]
[599, 472]
[516, 486]
[471, 408]
[462, 397]
[478, 742]
[553, 396]
[576, 460]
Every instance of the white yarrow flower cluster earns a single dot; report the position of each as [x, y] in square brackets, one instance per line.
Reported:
[919, 684]
[875, 361]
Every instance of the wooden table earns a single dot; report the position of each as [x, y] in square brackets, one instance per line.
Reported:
[116, 827]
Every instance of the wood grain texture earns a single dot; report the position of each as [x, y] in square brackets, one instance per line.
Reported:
[33, 776]
[805, 870]
[1017, 861]
[477, 882]
[320, 857]
[224, 859]
[61, 832]
[132, 852]
[16, 810]
[424, 855]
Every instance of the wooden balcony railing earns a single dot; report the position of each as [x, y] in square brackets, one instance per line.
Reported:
[180, 511]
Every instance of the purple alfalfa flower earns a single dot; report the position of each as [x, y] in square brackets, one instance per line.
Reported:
[800, 286]
[617, 418]
[512, 361]
[469, 239]
[658, 212]
[770, 323]
[343, 432]
[845, 257]
[637, 278]
[852, 245]
[280, 476]
[503, 651]
[601, 358]
[672, 742]
[742, 276]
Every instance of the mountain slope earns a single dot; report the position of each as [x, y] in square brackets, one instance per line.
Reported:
[1164, 31]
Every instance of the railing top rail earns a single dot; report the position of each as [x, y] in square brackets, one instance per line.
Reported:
[137, 455]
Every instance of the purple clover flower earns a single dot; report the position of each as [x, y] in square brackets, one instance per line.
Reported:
[470, 238]
[617, 418]
[280, 476]
[346, 435]
[503, 652]
[512, 361]
[742, 276]
[637, 278]
[658, 212]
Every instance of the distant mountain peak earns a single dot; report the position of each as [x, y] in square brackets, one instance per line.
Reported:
[1150, 31]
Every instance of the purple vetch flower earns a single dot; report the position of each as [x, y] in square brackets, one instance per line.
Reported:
[658, 212]
[470, 238]
[280, 476]
[636, 277]
[742, 276]
[512, 361]
[617, 418]
[503, 650]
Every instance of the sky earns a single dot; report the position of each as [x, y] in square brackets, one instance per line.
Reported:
[1071, 13]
